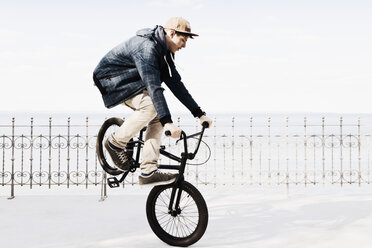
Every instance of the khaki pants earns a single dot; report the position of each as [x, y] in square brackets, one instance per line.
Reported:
[144, 114]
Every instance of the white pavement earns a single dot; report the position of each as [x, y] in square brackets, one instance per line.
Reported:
[267, 217]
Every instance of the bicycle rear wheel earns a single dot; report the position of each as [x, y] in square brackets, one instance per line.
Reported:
[104, 159]
[183, 226]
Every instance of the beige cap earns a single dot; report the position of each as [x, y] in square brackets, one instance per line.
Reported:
[180, 25]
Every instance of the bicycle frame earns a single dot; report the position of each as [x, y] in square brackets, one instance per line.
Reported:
[182, 160]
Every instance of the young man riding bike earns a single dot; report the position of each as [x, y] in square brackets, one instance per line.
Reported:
[131, 74]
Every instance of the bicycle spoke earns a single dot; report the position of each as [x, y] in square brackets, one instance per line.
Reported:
[190, 220]
[162, 217]
[169, 223]
[185, 195]
[183, 231]
[190, 211]
[161, 198]
[177, 226]
[189, 201]
[187, 223]
[188, 228]
[183, 226]
[172, 226]
[167, 220]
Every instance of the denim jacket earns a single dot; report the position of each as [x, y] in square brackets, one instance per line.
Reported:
[142, 62]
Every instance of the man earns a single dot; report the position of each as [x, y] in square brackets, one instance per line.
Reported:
[131, 74]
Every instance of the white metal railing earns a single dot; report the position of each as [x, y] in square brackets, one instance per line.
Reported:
[251, 152]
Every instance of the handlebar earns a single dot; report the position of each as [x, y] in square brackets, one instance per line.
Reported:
[204, 125]
[184, 138]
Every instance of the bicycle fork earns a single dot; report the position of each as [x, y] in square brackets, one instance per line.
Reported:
[174, 209]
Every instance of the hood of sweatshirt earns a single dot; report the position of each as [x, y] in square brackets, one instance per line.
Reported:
[158, 35]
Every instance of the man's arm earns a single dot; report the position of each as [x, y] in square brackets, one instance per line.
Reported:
[179, 90]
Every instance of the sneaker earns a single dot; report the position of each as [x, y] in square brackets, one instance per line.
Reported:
[157, 178]
[118, 156]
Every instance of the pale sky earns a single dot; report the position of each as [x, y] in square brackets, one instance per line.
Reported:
[251, 56]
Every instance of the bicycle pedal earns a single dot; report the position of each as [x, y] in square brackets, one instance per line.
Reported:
[113, 182]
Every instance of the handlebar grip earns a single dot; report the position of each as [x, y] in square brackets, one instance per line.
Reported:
[205, 124]
[167, 133]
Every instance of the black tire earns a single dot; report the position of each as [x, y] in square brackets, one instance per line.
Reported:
[188, 226]
[108, 166]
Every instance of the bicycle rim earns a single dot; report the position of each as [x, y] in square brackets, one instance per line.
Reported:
[185, 228]
[104, 159]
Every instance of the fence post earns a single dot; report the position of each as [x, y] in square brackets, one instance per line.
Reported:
[341, 155]
[287, 152]
[103, 187]
[305, 153]
[269, 152]
[50, 154]
[323, 151]
[233, 149]
[12, 159]
[359, 157]
[251, 151]
[31, 151]
[215, 153]
[86, 152]
[68, 152]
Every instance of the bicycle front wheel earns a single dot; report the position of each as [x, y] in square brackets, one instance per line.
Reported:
[183, 226]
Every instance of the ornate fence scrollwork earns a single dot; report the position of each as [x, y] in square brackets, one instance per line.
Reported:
[261, 152]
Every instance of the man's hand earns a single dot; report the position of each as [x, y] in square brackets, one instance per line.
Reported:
[204, 118]
[175, 131]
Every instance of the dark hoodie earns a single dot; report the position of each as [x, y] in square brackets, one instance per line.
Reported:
[142, 62]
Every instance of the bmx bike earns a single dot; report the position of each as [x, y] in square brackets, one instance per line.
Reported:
[177, 212]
